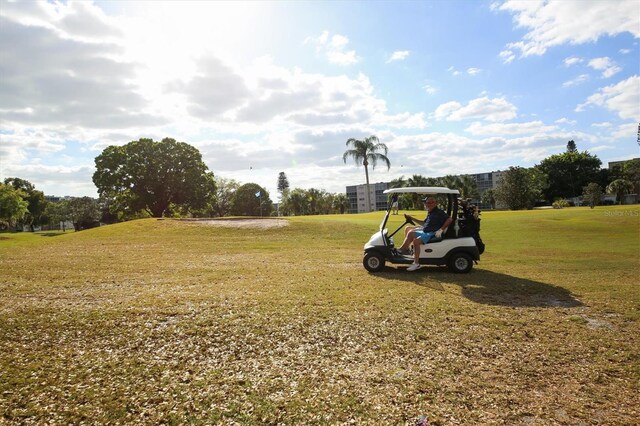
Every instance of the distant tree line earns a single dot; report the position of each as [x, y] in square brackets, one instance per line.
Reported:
[22, 206]
[557, 178]
[145, 178]
[567, 175]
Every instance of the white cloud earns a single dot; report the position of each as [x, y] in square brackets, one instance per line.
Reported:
[576, 81]
[334, 48]
[453, 71]
[63, 81]
[473, 71]
[557, 22]
[603, 124]
[213, 90]
[622, 98]
[429, 89]
[625, 51]
[565, 120]
[532, 127]
[572, 60]
[507, 56]
[627, 132]
[606, 65]
[496, 109]
[399, 55]
[445, 110]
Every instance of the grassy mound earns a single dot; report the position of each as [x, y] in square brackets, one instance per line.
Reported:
[164, 321]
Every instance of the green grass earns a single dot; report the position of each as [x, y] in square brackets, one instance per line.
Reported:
[166, 321]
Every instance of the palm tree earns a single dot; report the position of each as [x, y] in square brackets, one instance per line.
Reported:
[468, 187]
[398, 183]
[366, 151]
[341, 203]
[417, 180]
[620, 187]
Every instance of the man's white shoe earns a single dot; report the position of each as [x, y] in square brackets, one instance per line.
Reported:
[414, 267]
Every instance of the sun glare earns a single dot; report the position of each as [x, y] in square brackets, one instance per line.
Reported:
[167, 37]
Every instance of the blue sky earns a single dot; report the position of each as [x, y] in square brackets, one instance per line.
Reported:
[451, 87]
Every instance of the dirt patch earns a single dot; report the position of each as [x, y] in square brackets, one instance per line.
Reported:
[243, 223]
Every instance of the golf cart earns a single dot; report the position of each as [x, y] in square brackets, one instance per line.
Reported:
[458, 248]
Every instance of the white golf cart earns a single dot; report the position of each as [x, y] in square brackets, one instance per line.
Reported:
[458, 248]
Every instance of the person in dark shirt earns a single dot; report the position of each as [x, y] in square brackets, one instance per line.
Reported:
[433, 225]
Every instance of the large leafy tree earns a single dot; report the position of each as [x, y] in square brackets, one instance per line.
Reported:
[225, 188]
[569, 172]
[251, 199]
[366, 152]
[149, 175]
[13, 207]
[35, 199]
[519, 188]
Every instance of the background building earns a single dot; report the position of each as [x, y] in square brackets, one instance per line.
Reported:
[357, 195]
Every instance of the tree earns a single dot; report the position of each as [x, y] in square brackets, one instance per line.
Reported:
[148, 175]
[35, 200]
[225, 189]
[468, 187]
[58, 212]
[571, 146]
[13, 207]
[519, 188]
[84, 212]
[620, 187]
[295, 202]
[489, 197]
[568, 173]
[366, 152]
[592, 194]
[414, 198]
[283, 183]
[631, 172]
[315, 199]
[341, 203]
[398, 183]
[251, 199]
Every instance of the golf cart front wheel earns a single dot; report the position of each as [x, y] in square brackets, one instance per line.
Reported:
[373, 262]
[460, 263]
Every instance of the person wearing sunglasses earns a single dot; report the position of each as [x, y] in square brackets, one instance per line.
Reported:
[433, 225]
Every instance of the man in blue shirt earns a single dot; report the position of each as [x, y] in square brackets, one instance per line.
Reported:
[433, 225]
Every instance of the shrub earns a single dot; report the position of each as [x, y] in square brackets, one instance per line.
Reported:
[559, 204]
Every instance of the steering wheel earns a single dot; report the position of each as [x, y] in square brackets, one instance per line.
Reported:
[408, 219]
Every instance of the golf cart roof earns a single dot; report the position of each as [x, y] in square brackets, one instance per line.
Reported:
[431, 190]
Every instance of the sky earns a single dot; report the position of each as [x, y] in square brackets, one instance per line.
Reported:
[259, 88]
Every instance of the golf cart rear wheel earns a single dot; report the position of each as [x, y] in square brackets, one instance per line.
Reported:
[373, 262]
[460, 263]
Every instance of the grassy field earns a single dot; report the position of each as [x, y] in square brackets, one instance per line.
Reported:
[176, 322]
